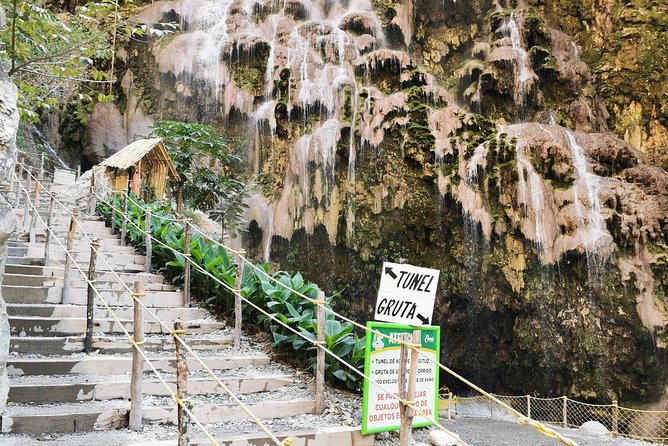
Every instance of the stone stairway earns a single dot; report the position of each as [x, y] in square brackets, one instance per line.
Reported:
[57, 389]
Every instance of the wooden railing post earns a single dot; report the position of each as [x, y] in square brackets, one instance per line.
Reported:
[91, 193]
[147, 236]
[41, 166]
[113, 212]
[90, 298]
[407, 390]
[137, 359]
[320, 362]
[564, 411]
[38, 187]
[237, 298]
[26, 207]
[615, 418]
[181, 386]
[17, 198]
[450, 405]
[47, 243]
[78, 171]
[528, 406]
[11, 183]
[68, 259]
[186, 262]
[124, 219]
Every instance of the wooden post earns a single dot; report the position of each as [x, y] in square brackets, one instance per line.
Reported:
[528, 406]
[147, 237]
[91, 193]
[90, 301]
[41, 166]
[407, 412]
[320, 363]
[564, 411]
[33, 223]
[615, 418]
[179, 200]
[113, 212]
[137, 359]
[181, 386]
[11, 184]
[26, 207]
[124, 219]
[186, 263]
[449, 405]
[78, 171]
[237, 299]
[17, 198]
[47, 243]
[38, 188]
[68, 259]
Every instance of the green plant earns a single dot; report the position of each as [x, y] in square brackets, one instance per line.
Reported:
[205, 164]
[280, 295]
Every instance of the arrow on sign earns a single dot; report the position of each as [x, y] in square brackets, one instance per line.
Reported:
[390, 273]
[425, 320]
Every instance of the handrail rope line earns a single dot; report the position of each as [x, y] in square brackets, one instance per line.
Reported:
[341, 360]
[521, 418]
[47, 158]
[117, 320]
[166, 328]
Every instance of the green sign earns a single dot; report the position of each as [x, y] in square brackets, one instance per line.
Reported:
[380, 411]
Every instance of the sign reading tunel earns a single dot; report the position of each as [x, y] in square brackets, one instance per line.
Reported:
[406, 294]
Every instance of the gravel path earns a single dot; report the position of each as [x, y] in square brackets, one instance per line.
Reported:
[475, 431]
[486, 432]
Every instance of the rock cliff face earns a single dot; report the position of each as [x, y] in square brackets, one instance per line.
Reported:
[472, 137]
[9, 121]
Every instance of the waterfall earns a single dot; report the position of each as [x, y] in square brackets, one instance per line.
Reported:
[524, 74]
[587, 183]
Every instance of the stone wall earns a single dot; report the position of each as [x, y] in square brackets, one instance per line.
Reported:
[9, 120]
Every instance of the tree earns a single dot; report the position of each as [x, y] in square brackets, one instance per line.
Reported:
[205, 164]
[51, 54]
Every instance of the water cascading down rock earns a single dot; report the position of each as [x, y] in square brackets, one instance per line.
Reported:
[363, 155]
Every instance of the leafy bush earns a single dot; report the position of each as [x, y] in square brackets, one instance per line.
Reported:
[278, 301]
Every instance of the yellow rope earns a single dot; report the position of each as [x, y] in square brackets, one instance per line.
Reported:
[410, 345]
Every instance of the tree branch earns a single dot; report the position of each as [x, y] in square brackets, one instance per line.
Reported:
[62, 53]
[14, 15]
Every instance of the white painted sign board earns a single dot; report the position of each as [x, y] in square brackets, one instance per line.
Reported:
[406, 294]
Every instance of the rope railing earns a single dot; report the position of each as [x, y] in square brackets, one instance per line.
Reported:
[648, 425]
[301, 335]
[521, 418]
[112, 313]
[147, 309]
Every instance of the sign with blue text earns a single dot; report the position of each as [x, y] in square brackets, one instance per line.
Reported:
[406, 294]
[380, 410]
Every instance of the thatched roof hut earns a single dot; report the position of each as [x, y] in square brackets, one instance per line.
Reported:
[147, 161]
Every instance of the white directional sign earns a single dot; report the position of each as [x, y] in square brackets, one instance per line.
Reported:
[406, 294]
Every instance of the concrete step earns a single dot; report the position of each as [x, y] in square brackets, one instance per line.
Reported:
[329, 436]
[114, 365]
[29, 280]
[63, 345]
[58, 389]
[80, 247]
[44, 326]
[62, 311]
[57, 271]
[114, 415]
[118, 263]
[79, 296]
